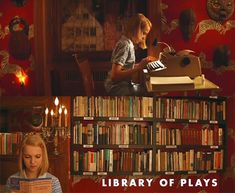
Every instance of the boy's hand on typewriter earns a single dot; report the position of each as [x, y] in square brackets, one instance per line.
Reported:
[146, 60]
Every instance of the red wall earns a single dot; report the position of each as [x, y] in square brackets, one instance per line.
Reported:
[9, 84]
[206, 43]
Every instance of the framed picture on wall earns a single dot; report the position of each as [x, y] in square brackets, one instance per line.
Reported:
[94, 25]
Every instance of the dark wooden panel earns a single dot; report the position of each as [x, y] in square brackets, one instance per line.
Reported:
[66, 78]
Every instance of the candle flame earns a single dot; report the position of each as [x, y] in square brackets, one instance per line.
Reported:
[60, 110]
[46, 111]
[56, 101]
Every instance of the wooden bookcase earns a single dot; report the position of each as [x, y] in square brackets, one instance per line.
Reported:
[147, 135]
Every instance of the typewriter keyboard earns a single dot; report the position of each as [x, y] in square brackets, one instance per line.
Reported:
[155, 66]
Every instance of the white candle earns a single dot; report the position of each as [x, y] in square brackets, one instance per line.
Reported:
[52, 114]
[46, 116]
[66, 118]
[56, 102]
[60, 111]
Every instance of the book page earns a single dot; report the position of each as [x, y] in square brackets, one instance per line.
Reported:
[36, 186]
[171, 80]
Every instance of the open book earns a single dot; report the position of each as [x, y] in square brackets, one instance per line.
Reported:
[36, 185]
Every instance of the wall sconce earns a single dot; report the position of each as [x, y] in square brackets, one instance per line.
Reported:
[55, 125]
[7, 68]
[22, 77]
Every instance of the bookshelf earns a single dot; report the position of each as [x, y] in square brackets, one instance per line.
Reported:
[147, 135]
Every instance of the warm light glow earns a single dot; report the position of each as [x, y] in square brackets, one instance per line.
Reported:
[60, 110]
[52, 112]
[22, 76]
[56, 101]
[46, 111]
[65, 111]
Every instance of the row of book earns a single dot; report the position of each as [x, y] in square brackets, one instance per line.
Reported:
[189, 136]
[169, 108]
[108, 160]
[189, 160]
[123, 106]
[10, 142]
[107, 133]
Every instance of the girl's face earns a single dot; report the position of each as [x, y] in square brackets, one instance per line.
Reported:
[142, 36]
[144, 33]
[32, 157]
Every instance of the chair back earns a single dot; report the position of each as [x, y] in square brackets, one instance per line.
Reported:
[86, 74]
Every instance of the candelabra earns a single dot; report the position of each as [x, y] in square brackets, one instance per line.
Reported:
[55, 125]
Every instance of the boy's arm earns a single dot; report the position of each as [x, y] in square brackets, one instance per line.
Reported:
[119, 74]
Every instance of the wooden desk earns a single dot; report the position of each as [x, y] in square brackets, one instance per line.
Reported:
[207, 85]
[198, 85]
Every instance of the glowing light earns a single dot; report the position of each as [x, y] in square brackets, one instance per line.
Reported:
[56, 101]
[65, 111]
[22, 76]
[60, 110]
[46, 111]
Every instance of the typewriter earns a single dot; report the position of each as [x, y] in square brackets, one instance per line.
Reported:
[182, 63]
[173, 71]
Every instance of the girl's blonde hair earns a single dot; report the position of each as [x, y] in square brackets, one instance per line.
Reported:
[37, 141]
[136, 24]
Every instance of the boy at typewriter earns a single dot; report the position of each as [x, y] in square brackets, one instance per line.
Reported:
[124, 68]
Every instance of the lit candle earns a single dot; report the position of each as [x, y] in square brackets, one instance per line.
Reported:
[52, 114]
[46, 116]
[66, 118]
[60, 111]
[56, 102]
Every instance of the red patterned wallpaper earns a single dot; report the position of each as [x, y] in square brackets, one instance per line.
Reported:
[218, 34]
[9, 84]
